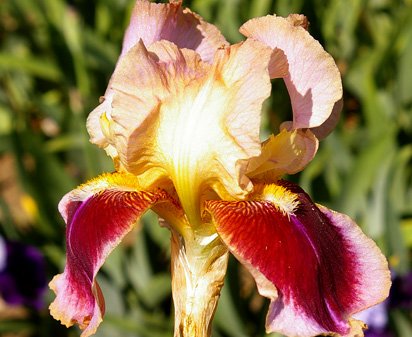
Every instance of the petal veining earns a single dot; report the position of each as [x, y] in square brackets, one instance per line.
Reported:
[214, 124]
[98, 215]
[177, 117]
[315, 265]
[310, 73]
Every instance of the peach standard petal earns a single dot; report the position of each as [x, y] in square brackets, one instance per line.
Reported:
[310, 73]
[208, 128]
[151, 22]
[179, 118]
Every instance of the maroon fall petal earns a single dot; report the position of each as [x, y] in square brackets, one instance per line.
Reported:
[313, 263]
[95, 226]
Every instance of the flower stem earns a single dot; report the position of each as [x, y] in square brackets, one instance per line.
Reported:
[199, 263]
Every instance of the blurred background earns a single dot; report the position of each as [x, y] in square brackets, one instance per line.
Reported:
[56, 57]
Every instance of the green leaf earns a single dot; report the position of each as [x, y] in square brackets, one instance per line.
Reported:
[363, 174]
[260, 8]
[406, 229]
[403, 324]
[31, 65]
[227, 318]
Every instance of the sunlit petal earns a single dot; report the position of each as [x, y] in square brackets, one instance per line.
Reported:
[286, 153]
[315, 265]
[98, 215]
[310, 73]
[151, 22]
[170, 110]
[213, 123]
[141, 82]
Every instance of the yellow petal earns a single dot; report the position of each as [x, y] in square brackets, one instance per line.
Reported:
[98, 124]
[213, 124]
[286, 153]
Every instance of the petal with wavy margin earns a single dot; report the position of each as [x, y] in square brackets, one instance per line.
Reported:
[310, 73]
[143, 80]
[151, 22]
[98, 215]
[315, 265]
[211, 125]
[177, 117]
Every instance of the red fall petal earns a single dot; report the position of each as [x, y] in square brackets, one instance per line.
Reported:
[316, 266]
[98, 217]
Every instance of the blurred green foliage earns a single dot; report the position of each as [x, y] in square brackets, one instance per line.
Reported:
[56, 58]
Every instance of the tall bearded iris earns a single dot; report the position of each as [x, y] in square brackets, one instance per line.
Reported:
[181, 118]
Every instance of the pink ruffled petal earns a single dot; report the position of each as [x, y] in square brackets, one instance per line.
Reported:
[98, 215]
[153, 22]
[310, 73]
[150, 23]
[315, 265]
[327, 126]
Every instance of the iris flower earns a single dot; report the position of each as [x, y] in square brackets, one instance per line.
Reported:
[181, 118]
